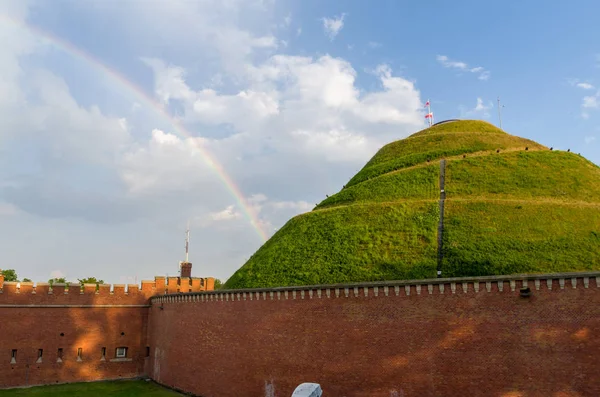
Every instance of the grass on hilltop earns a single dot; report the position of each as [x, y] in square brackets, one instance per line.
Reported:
[347, 244]
[418, 183]
[122, 388]
[460, 126]
[494, 238]
[524, 175]
[420, 149]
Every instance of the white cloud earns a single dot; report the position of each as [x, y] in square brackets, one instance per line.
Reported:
[298, 32]
[480, 106]
[480, 109]
[585, 86]
[41, 109]
[374, 44]
[464, 67]
[257, 198]
[591, 102]
[225, 215]
[484, 75]
[261, 206]
[447, 63]
[313, 104]
[169, 81]
[239, 109]
[165, 163]
[333, 26]
[589, 139]
[580, 84]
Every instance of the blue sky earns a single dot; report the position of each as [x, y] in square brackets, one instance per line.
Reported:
[290, 97]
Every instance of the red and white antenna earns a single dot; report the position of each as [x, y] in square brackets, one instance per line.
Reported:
[429, 115]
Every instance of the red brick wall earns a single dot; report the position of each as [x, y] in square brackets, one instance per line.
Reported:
[452, 344]
[33, 318]
[30, 329]
[89, 320]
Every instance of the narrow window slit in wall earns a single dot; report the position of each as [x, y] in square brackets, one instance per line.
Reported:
[79, 354]
[40, 353]
[59, 355]
[103, 358]
[13, 356]
[147, 351]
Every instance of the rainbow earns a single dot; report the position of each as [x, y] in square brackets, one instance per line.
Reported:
[148, 100]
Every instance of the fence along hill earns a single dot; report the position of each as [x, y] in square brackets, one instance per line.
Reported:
[511, 206]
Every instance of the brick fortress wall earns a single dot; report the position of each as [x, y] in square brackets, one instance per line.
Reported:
[70, 317]
[442, 337]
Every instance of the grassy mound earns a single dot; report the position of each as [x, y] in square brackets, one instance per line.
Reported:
[506, 237]
[368, 243]
[433, 146]
[512, 206]
[525, 175]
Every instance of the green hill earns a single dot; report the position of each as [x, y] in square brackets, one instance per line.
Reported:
[511, 206]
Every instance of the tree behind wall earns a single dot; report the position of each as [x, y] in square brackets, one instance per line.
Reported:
[90, 280]
[10, 275]
[59, 280]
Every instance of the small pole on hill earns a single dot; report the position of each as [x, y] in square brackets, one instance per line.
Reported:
[500, 113]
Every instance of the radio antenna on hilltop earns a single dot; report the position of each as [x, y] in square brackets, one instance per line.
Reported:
[187, 242]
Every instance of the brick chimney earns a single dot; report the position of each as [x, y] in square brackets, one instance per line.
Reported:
[186, 269]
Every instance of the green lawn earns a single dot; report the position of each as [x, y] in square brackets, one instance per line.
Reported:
[123, 388]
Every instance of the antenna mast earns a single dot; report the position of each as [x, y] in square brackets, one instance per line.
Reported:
[187, 242]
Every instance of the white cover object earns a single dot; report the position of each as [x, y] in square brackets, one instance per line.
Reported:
[308, 390]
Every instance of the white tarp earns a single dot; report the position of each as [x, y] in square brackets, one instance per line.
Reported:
[308, 390]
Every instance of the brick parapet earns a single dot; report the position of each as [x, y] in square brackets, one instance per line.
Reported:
[439, 286]
[28, 293]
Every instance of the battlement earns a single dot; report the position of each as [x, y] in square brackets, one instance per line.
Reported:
[521, 284]
[42, 293]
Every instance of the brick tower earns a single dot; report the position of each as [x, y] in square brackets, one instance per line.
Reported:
[185, 269]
